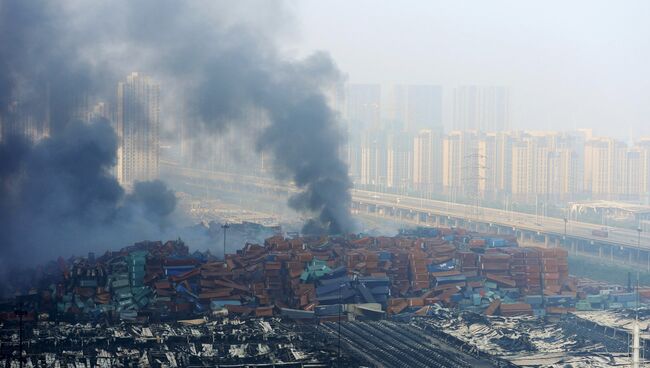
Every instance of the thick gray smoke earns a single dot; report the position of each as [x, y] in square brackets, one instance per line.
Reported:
[42, 63]
[224, 71]
[58, 196]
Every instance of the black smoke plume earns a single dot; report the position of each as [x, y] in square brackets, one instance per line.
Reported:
[58, 195]
[225, 71]
[44, 63]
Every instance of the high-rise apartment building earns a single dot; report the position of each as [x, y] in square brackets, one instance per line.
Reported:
[495, 160]
[25, 120]
[540, 153]
[521, 173]
[352, 152]
[541, 166]
[424, 108]
[563, 169]
[461, 163]
[373, 159]
[362, 106]
[427, 161]
[138, 129]
[603, 173]
[482, 108]
[579, 139]
[631, 185]
[644, 151]
[414, 107]
[399, 160]
[524, 166]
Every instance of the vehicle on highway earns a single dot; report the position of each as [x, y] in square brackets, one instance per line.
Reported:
[603, 233]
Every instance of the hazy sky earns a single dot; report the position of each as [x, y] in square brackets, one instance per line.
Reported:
[569, 64]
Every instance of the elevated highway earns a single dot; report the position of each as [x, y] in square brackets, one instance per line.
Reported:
[467, 214]
[621, 245]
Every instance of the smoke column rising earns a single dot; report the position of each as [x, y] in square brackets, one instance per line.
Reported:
[225, 71]
[58, 196]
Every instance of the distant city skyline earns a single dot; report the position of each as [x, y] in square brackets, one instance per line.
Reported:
[527, 166]
[581, 64]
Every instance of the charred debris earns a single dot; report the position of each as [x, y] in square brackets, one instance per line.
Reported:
[159, 304]
[304, 278]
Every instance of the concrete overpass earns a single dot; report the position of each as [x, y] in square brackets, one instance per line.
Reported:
[620, 246]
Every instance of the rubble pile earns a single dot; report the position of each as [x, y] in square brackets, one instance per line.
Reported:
[314, 278]
[528, 341]
[199, 343]
[410, 346]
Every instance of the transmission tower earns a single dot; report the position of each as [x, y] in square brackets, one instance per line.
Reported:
[473, 180]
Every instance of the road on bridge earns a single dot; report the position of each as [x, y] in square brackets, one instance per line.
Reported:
[518, 220]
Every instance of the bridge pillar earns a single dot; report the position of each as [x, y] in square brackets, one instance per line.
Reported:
[574, 247]
[546, 241]
[611, 253]
[629, 256]
[600, 251]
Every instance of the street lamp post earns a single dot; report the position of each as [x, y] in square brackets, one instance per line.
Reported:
[20, 312]
[225, 227]
[564, 238]
[340, 310]
[638, 244]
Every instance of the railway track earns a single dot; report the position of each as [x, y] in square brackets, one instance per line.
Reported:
[397, 345]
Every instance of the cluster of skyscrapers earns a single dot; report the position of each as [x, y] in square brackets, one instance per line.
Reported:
[396, 143]
[403, 148]
[135, 116]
